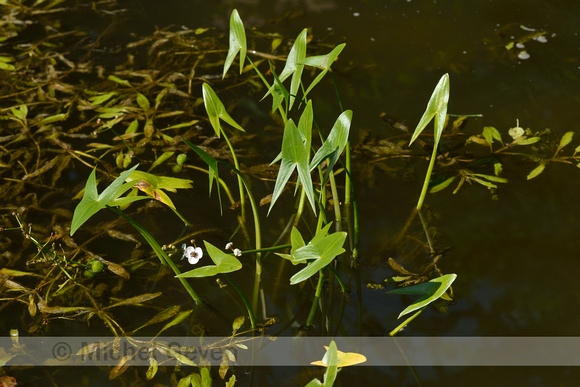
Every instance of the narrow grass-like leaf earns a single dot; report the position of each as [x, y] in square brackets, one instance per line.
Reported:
[216, 110]
[431, 291]
[224, 263]
[237, 42]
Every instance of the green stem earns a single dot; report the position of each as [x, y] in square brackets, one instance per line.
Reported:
[245, 300]
[315, 300]
[300, 209]
[254, 205]
[240, 184]
[427, 178]
[340, 282]
[272, 248]
[163, 257]
[336, 199]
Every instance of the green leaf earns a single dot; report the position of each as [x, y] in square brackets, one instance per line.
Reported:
[431, 291]
[436, 107]
[92, 202]
[216, 110]
[224, 263]
[143, 102]
[212, 164]
[331, 360]
[565, 140]
[279, 92]
[495, 179]
[295, 154]
[119, 80]
[526, 141]
[322, 251]
[176, 321]
[490, 133]
[161, 159]
[322, 62]
[99, 99]
[536, 171]
[293, 67]
[335, 143]
[442, 186]
[54, 118]
[153, 186]
[237, 42]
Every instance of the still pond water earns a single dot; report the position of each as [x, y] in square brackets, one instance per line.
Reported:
[516, 257]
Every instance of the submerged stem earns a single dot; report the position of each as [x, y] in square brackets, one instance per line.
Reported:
[316, 298]
[245, 300]
[163, 257]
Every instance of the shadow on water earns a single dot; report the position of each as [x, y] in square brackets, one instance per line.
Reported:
[516, 257]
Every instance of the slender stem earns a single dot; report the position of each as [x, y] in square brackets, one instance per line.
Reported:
[163, 257]
[340, 282]
[240, 184]
[300, 209]
[427, 179]
[271, 248]
[315, 300]
[336, 200]
[256, 215]
[245, 300]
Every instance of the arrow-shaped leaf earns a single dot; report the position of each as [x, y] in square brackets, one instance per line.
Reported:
[322, 62]
[216, 110]
[237, 42]
[431, 291]
[335, 143]
[295, 152]
[322, 251]
[91, 203]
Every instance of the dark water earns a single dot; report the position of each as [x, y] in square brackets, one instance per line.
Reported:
[517, 257]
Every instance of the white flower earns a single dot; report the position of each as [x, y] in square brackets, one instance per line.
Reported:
[237, 253]
[229, 245]
[193, 254]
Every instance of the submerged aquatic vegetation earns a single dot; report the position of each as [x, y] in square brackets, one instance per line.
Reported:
[67, 113]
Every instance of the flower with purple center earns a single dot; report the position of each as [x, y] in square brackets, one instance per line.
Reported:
[192, 253]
